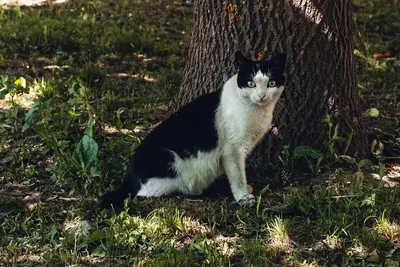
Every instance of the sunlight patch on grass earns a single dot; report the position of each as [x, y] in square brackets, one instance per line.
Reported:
[358, 251]
[30, 258]
[387, 228]
[279, 229]
[228, 245]
[77, 226]
[109, 129]
[391, 179]
[134, 76]
[143, 57]
[23, 100]
[190, 226]
[333, 242]
[135, 133]
[126, 64]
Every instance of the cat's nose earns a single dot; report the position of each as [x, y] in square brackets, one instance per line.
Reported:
[261, 96]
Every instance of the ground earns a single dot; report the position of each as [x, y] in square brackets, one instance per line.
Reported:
[82, 82]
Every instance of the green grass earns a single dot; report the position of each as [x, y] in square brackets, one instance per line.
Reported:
[96, 75]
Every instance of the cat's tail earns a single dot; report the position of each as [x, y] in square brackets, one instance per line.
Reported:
[115, 199]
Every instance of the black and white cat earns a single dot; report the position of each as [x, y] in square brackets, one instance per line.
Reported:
[207, 138]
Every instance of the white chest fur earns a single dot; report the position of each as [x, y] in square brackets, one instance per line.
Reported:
[241, 124]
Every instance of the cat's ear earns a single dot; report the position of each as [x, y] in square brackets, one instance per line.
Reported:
[240, 59]
[279, 60]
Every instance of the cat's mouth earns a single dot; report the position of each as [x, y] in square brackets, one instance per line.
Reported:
[261, 102]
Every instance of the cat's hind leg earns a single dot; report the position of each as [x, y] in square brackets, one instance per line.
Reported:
[156, 187]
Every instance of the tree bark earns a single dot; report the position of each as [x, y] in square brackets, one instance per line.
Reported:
[316, 36]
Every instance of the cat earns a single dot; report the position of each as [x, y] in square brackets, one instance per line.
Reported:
[207, 138]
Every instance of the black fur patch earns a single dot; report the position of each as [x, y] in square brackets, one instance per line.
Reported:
[247, 68]
[189, 130]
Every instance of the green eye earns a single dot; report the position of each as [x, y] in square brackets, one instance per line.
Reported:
[251, 84]
[271, 83]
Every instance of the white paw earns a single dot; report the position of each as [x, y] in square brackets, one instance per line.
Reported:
[247, 201]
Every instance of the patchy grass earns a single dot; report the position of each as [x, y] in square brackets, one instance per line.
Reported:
[97, 76]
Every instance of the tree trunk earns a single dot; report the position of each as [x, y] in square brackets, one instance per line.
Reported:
[316, 36]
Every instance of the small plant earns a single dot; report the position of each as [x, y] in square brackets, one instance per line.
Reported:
[12, 89]
[330, 155]
[390, 230]
[15, 88]
[56, 119]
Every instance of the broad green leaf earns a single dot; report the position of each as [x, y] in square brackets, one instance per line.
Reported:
[348, 159]
[86, 151]
[306, 151]
[372, 112]
[89, 128]
[90, 148]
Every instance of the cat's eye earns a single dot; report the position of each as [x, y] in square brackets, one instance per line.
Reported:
[271, 83]
[251, 84]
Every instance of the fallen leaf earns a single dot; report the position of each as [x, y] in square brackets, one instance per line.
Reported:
[379, 55]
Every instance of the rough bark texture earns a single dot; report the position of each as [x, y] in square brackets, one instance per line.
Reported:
[317, 37]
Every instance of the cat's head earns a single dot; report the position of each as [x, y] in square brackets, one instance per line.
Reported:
[260, 82]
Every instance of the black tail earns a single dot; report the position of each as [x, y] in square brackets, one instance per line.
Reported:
[131, 185]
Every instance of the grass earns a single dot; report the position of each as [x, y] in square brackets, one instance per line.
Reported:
[96, 76]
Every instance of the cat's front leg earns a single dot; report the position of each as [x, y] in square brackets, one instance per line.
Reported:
[234, 165]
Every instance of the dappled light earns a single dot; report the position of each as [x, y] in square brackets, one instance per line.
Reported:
[134, 76]
[10, 3]
[279, 239]
[314, 13]
[82, 83]
[309, 9]
[390, 230]
[25, 100]
[30, 198]
[392, 176]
